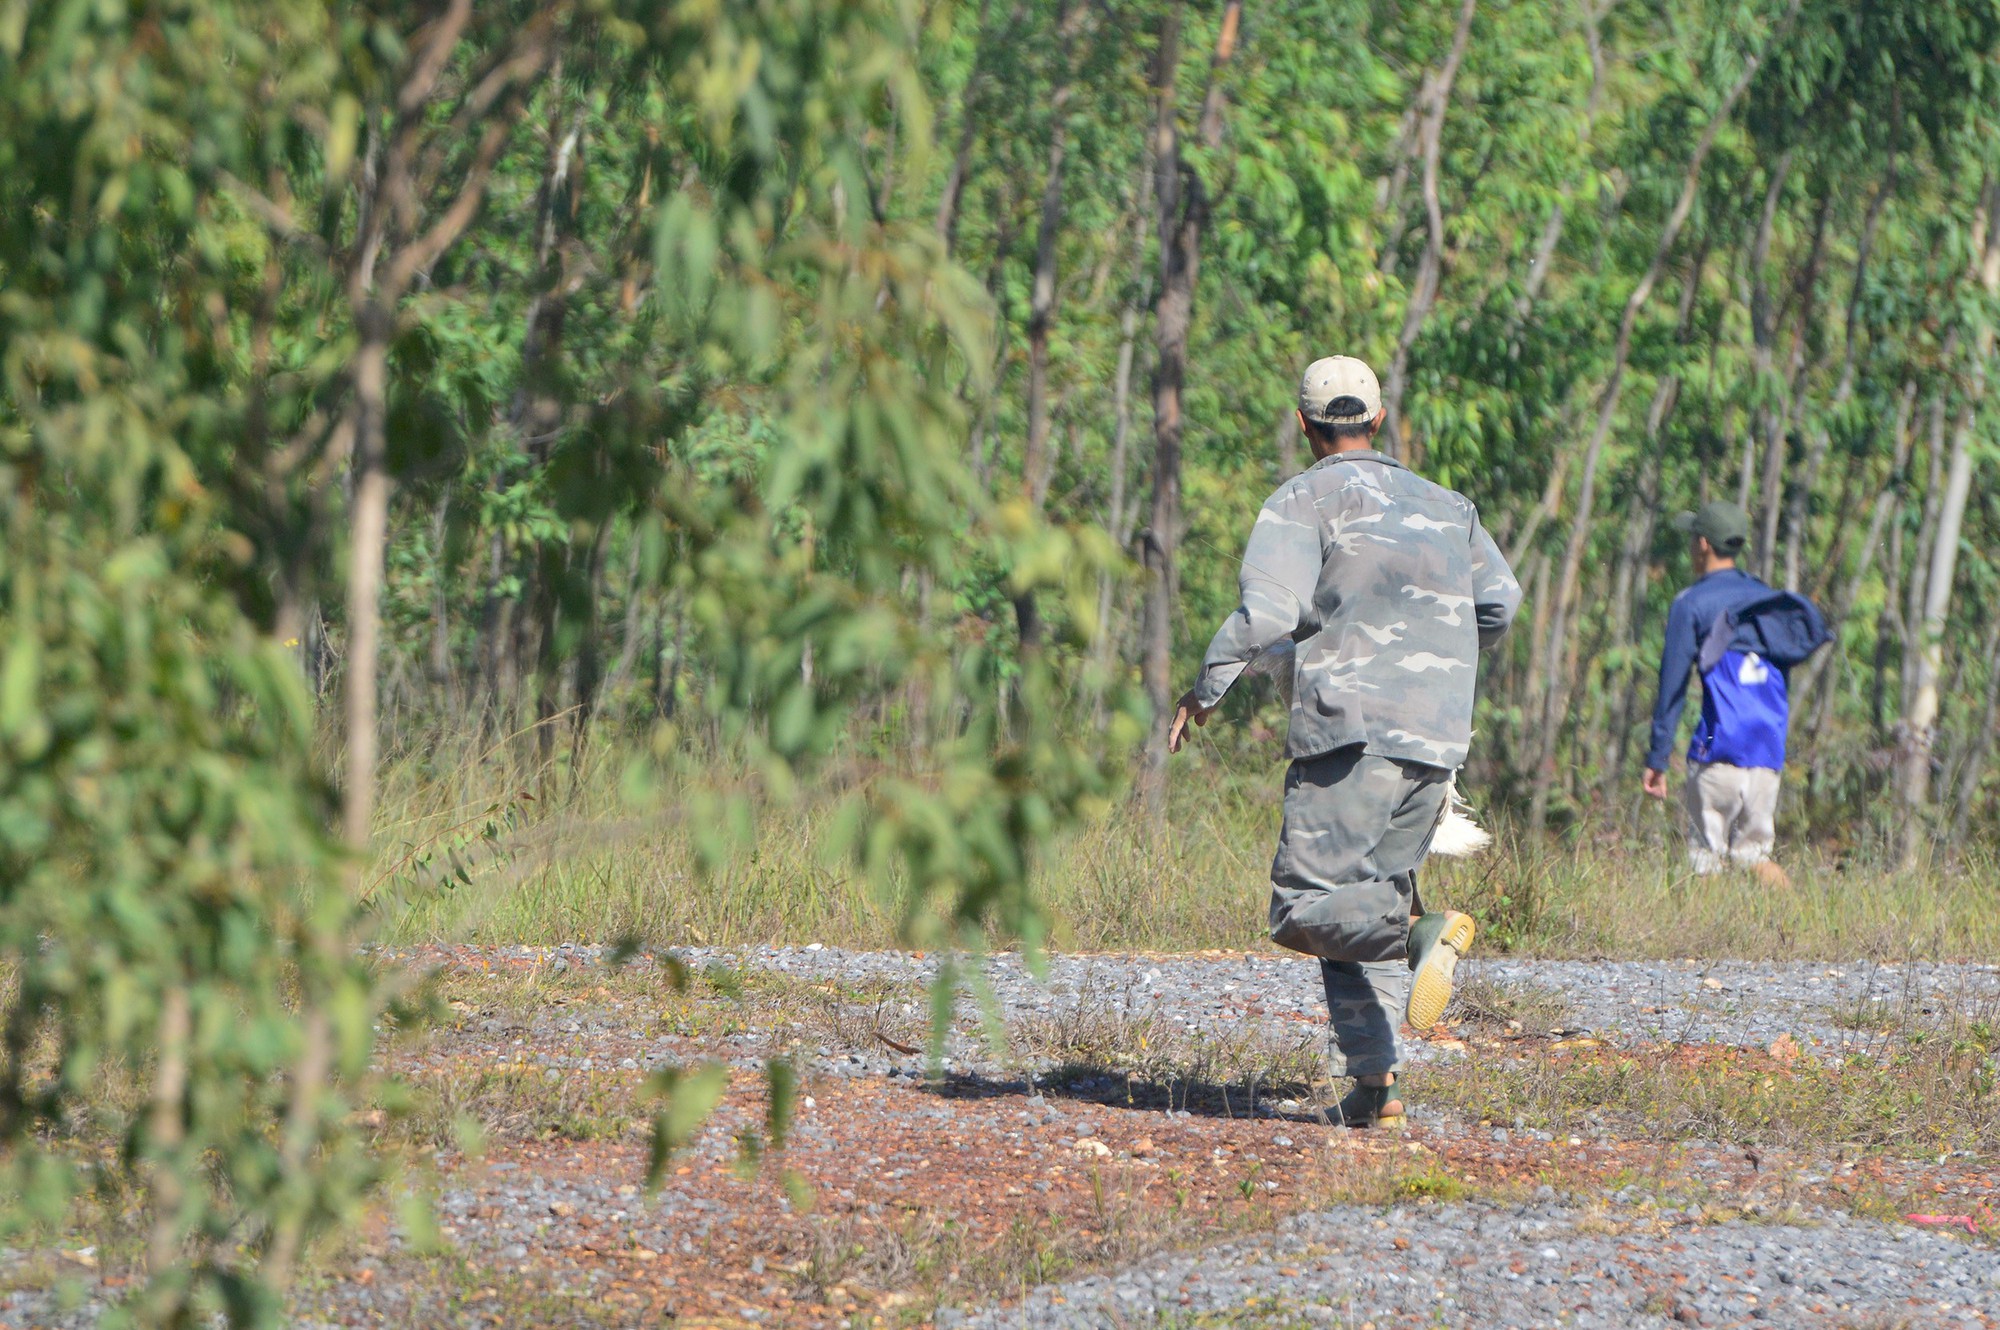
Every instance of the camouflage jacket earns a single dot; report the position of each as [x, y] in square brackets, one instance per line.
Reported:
[1389, 588]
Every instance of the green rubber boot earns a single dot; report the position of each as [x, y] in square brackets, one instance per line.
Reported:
[1371, 1106]
[1437, 940]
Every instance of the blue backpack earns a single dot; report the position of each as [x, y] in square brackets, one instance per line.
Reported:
[1745, 695]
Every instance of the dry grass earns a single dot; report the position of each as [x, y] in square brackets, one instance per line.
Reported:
[581, 861]
[1101, 1052]
[1603, 895]
[1930, 1084]
[1923, 1096]
[1527, 1010]
[461, 1106]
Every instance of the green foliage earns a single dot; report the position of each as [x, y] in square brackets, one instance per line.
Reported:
[183, 1010]
[755, 391]
[705, 377]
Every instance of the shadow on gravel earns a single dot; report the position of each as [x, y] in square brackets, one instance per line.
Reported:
[1290, 1099]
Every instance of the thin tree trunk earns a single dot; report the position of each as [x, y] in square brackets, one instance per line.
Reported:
[1037, 465]
[387, 259]
[369, 528]
[440, 655]
[496, 631]
[1911, 615]
[1920, 728]
[1389, 190]
[1118, 515]
[1535, 572]
[996, 287]
[1042, 298]
[1288, 445]
[668, 691]
[1775, 495]
[1764, 337]
[629, 636]
[589, 656]
[1423, 293]
[1746, 478]
[1184, 206]
[1623, 684]
[1885, 502]
[1170, 329]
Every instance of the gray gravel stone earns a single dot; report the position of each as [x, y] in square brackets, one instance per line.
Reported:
[1742, 1003]
[1477, 1264]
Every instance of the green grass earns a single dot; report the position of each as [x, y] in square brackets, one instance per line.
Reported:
[583, 862]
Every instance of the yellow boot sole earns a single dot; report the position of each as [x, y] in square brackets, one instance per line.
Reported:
[1430, 986]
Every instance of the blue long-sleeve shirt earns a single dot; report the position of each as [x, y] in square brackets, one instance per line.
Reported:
[1693, 613]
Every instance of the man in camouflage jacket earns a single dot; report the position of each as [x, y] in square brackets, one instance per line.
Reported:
[1389, 588]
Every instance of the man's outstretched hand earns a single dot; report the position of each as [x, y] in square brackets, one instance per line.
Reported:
[1655, 783]
[1187, 709]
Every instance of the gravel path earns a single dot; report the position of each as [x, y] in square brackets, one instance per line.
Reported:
[1569, 1261]
[1777, 1245]
[1729, 1002]
[1547, 1264]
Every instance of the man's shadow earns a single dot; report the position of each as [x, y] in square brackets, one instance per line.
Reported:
[1284, 1099]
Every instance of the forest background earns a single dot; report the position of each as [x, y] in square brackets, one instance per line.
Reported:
[545, 468]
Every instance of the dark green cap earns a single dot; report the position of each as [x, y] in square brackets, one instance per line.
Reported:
[1721, 523]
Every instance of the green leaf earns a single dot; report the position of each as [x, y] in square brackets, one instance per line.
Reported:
[688, 1097]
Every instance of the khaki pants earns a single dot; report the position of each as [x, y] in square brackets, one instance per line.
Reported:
[1732, 815]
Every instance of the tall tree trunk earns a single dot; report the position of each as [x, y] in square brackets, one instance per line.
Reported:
[1782, 440]
[495, 634]
[1184, 207]
[1910, 616]
[388, 257]
[1037, 465]
[590, 652]
[441, 674]
[1423, 292]
[1624, 683]
[1535, 574]
[1920, 728]
[1920, 725]
[1118, 514]
[1042, 297]
[1824, 669]
[1769, 427]
[369, 533]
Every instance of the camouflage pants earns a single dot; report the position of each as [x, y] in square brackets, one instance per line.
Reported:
[1344, 885]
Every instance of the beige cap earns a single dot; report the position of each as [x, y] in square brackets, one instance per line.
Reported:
[1339, 390]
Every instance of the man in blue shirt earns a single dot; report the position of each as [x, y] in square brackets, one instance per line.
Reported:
[1738, 747]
